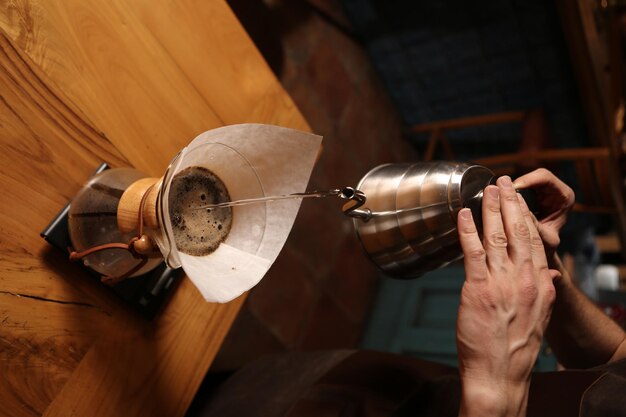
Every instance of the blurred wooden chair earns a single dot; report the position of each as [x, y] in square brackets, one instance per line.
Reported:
[534, 152]
[437, 130]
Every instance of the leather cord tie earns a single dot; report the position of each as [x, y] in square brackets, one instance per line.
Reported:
[139, 246]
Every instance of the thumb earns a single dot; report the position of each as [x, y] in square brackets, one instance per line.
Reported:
[555, 274]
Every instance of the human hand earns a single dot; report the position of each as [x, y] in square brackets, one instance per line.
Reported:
[505, 304]
[555, 200]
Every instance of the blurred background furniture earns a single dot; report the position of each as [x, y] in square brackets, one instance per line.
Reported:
[590, 163]
[437, 130]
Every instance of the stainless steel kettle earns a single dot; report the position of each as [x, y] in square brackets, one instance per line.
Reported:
[406, 216]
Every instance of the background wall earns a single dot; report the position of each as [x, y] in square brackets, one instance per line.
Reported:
[447, 59]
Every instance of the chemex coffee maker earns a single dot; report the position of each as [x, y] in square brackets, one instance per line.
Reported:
[226, 204]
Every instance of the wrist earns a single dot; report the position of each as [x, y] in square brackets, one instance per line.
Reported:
[482, 401]
[493, 400]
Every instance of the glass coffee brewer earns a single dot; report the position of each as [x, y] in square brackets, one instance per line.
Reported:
[227, 202]
[125, 224]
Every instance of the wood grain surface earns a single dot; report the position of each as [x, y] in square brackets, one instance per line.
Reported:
[128, 83]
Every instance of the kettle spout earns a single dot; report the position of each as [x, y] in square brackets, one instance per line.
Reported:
[356, 199]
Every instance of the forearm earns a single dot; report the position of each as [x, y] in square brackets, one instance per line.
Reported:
[579, 333]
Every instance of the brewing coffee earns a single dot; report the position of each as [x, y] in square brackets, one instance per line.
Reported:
[198, 232]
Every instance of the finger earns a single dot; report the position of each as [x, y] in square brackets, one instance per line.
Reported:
[546, 182]
[539, 178]
[494, 238]
[555, 275]
[542, 277]
[549, 237]
[537, 250]
[515, 226]
[473, 251]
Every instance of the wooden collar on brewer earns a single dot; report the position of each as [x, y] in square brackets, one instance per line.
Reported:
[136, 207]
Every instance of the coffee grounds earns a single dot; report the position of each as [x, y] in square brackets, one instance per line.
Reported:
[197, 231]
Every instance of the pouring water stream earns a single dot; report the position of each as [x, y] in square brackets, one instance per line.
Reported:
[310, 194]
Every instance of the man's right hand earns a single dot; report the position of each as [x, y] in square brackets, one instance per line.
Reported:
[505, 304]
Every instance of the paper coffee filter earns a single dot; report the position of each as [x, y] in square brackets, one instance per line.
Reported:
[252, 160]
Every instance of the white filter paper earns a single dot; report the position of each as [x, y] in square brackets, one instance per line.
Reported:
[253, 160]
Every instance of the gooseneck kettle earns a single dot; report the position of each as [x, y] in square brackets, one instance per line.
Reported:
[405, 214]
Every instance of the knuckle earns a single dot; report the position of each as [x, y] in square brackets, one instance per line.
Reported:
[550, 292]
[521, 230]
[544, 172]
[569, 196]
[489, 301]
[510, 198]
[481, 296]
[476, 255]
[536, 241]
[529, 292]
[497, 240]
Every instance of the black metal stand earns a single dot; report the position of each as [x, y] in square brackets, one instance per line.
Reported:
[145, 293]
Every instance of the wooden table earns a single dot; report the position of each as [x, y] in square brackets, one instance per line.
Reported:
[129, 83]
